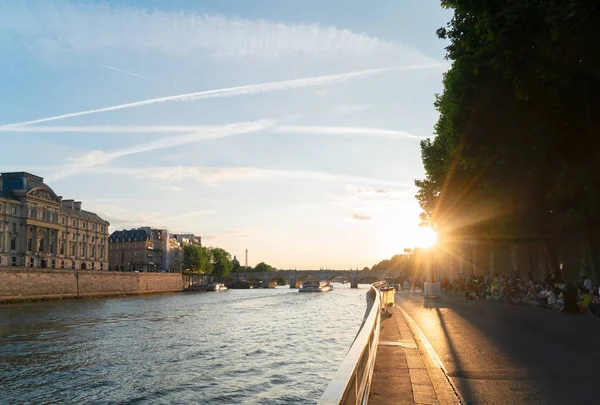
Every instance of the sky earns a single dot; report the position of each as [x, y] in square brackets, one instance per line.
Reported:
[288, 128]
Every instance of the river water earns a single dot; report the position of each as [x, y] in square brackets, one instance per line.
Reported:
[263, 346]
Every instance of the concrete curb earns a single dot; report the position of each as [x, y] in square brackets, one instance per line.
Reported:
[446, 392]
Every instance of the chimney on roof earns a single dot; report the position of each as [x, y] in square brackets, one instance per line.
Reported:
[77, 205]
[68, 203]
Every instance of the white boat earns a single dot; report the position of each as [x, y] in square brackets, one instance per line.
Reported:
[216, 287]
[315, 286]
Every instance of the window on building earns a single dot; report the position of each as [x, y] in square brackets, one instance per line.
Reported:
[14, 261]
[13, 243]
[73, 264]
[30, 212]
[72, 249]
[62, 264]
[82, 250]
[53, 263]
[52, 246]
[62, 248]
[51, 218]
[92, 251]
[42, 245]
[74, 223]
[31, 262]
[101, 252]
[14, 227]
[62, 221]
[30, 244]
[13, 210]
[94, 227]
[102, 228]
[41, 215]
[73, 235]
[84, 225]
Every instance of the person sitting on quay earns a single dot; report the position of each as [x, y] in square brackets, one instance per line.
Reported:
[594, 306]
[585, 300]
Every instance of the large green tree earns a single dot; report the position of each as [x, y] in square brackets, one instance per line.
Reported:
[221, 263]
[517, 140]
[197, 259]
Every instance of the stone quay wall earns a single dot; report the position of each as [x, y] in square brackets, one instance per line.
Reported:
[22, 284]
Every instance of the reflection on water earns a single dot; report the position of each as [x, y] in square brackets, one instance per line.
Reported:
[240, 346]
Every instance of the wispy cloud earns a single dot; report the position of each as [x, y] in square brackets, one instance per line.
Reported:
[131, 73]
[149, 129]
[164, 129]
[234, 91]
[93, 158]
[217, 175]
[360, 217]
[120, 217]
[343, 131]
[225, 92]
[65, 26]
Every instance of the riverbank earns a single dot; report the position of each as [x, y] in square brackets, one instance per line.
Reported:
[28, 284]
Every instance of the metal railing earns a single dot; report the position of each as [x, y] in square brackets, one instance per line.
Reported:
[352, 382]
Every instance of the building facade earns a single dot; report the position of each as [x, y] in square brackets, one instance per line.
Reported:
[142, 249]
[40, 229]
[188, 239]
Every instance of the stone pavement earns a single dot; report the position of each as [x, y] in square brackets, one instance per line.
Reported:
[405, 373]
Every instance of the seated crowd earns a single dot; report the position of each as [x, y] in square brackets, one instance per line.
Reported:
[552, 292]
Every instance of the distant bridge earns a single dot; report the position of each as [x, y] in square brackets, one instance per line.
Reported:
[295, 277]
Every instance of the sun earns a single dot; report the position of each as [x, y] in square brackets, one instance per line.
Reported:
[425, 238]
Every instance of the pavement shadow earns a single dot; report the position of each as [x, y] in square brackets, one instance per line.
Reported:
[558, 352]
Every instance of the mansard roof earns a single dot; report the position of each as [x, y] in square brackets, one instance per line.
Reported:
[130, 235]
[88, 216]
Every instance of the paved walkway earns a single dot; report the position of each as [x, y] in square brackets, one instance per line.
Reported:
[405, 372]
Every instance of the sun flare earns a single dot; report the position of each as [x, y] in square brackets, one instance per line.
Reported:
[425, 238]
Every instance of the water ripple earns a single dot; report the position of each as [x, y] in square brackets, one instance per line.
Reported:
[242, 346]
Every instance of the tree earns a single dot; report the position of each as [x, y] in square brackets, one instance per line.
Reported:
[262, 266]
[366, 268]
[197, 259]
[516, 141]
[221, 263]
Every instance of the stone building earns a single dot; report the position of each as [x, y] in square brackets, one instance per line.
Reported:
[188, 239]
[175, 256]
[40, 229]
[142, 249]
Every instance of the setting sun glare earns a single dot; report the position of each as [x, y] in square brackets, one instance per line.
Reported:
[425, 238]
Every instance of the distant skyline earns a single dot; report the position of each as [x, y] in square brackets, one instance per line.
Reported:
[290, 129]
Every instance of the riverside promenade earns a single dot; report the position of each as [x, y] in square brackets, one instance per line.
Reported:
[406, 371]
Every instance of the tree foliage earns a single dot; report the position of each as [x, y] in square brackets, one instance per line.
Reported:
[397, 262]
[517, 140]
[197, 259]
[221, 263]
[261, 267]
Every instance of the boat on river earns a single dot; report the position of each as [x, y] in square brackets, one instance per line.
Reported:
[216, 287]
[315, 286]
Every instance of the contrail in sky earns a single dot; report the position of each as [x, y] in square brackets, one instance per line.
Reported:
[131, 73]
[235, 91]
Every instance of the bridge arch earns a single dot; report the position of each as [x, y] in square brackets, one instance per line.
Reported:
[271, 281]
[303, 278]
[339, 278]
[368, 279]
